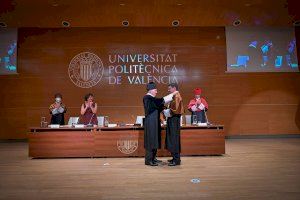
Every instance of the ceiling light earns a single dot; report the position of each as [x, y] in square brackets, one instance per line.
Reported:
[3, 24]
[65, 23]
[237, 22]
[296, 23]
[125, 23]
[175, 22]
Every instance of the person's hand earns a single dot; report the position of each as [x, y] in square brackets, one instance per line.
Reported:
[52, 106]
[201, 106]
[57, 105]
[176, 92]
[194, 108]
[87, 104]
[198, 102]
[167, 112]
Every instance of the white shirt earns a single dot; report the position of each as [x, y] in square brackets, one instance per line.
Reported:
[150, 94]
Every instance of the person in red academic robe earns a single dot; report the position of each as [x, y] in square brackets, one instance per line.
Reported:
[198, 106]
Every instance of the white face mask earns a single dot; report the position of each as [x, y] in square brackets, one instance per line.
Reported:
[58, 99]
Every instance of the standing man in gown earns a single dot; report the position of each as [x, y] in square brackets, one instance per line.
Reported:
[152, 127]
[175, 110]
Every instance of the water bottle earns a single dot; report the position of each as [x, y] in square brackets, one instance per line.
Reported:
[195, 120]
[106, 122]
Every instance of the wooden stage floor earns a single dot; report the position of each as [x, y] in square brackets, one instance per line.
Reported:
[251, 169]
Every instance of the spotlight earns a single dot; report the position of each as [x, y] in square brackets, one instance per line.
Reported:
[296, 23]
[54, 3]
[175, 23]
[3, 24]
[125, 23]
[237, 22]
[65, 23]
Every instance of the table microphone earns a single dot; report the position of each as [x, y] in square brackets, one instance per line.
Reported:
[89, 124]
[207, 122]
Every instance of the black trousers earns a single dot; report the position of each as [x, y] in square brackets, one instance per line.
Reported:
[150, 155]
[173, 143]
[176, 156]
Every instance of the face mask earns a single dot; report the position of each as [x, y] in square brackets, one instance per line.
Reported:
[58, 100]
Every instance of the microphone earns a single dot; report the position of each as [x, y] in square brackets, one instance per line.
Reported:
[207, 122]
[89, 124]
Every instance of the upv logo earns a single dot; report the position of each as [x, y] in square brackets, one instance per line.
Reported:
[86, 69]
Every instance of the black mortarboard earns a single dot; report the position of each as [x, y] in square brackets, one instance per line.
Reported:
[151, 86]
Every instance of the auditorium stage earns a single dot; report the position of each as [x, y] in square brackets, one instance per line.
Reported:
[250, 169]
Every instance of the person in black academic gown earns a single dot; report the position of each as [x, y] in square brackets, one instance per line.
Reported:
[152, 127]
[173, 114]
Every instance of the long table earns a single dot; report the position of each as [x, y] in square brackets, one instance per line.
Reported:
[119, 141]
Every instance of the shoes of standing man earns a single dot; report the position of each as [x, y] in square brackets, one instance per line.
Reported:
[157, 161]
[174, 163]
[151, 163]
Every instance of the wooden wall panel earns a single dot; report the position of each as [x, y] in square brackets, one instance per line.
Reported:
[249, 103]
[62, 144]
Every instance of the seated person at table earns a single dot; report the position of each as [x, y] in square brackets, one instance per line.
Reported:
[88, 111]
[57, 110]
[198, 106]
